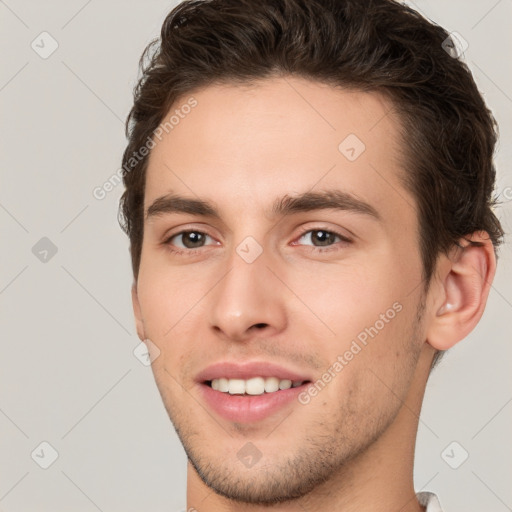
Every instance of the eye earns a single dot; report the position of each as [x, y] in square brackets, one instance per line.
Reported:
[319, 238]
[188, 239]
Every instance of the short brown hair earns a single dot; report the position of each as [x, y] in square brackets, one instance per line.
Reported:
[448, 133]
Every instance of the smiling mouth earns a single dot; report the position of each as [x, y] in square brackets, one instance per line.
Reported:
[253, 386]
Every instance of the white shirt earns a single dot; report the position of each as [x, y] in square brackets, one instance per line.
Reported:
[427, 499]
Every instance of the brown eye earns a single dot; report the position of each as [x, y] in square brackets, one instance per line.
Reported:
[321, 238]
[188, 239]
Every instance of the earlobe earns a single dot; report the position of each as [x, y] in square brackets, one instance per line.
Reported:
[137, 313]
[462, 290]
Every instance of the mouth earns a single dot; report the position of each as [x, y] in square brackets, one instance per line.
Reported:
[249, 401]
[250, 391]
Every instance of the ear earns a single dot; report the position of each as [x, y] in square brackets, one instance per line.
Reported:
[462, 287]
[137, 314]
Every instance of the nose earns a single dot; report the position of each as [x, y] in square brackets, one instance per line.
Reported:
[249, 299]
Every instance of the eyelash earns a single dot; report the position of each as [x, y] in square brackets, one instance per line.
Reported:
[178, 252]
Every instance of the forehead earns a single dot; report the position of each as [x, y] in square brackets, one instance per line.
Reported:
[248, 145]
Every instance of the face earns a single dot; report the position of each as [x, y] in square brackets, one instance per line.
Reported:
[289, 252]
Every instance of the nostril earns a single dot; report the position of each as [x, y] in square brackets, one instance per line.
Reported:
[260, 326]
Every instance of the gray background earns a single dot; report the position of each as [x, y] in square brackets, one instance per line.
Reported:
[68, 375]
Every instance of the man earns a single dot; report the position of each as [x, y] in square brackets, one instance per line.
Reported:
[308, 200]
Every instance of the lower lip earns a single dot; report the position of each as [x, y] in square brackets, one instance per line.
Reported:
[249, 408]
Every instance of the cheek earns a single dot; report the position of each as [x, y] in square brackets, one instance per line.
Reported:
[367, 383]
[173, 305]
[169, 298]
[370, 314]
[348, 299]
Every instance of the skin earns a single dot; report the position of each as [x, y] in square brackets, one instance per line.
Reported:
[242, 147]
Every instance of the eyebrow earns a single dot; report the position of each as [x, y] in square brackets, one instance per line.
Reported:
[286, 205]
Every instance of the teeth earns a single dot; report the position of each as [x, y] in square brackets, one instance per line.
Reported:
[271, 384]
[253, 386]
[285, 384]
[223, 385]
[236, 386]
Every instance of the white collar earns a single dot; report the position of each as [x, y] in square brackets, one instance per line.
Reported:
[429, 500]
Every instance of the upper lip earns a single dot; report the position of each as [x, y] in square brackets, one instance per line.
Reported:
[247, 370]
